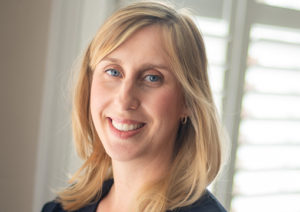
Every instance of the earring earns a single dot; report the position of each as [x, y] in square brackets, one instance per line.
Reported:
[184, 120]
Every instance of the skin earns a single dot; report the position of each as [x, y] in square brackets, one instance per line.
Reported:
[134, 86]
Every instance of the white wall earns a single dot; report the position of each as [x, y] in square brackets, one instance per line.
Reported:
[23, 44]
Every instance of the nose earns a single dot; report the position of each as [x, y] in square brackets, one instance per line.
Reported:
[127, 97]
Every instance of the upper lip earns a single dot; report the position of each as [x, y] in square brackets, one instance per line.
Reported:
[125, 120]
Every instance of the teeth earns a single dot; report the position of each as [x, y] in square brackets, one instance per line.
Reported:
[125, 127]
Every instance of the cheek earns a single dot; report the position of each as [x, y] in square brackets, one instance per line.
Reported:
[99, 97]
[167, 104]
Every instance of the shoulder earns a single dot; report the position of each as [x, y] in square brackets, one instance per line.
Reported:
[207, 203]
[55, 206]
[52, 206]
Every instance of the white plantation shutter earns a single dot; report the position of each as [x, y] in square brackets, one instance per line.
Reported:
[267, 174]
[291, 4]
[256, 50]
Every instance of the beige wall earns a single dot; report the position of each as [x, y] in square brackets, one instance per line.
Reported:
[23, 42]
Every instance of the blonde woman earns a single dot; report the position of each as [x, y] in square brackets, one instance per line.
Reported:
[144, 120]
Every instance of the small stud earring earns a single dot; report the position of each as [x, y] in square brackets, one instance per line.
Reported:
[184, 120]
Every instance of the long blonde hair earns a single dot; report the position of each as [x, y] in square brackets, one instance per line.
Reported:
[197, 153]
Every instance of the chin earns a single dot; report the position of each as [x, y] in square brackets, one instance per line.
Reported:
[122, 150]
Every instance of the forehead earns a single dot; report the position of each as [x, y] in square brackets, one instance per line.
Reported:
[146, 44]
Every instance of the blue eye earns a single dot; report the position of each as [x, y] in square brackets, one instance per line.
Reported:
[113, 72]
[153, 78]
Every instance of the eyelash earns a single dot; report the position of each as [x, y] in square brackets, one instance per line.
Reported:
[112, 72]
[149, 78]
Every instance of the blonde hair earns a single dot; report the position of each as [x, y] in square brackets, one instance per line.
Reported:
[197, 153]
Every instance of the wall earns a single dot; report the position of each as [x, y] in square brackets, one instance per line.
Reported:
[23, 45]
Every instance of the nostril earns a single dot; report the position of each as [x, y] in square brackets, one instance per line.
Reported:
[134, 105]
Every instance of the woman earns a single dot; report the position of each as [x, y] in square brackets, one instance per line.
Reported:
[144, 119]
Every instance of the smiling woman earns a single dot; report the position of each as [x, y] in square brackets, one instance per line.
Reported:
[136, 105]
[143, 117]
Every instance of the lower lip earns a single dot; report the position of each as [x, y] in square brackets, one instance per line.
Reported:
[123, 134]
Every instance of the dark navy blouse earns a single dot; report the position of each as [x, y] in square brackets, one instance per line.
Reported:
[207, 203]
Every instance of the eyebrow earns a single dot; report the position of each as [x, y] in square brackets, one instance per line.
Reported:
[145, 66]
[111, 59]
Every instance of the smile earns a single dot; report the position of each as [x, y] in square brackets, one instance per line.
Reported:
[125, 127]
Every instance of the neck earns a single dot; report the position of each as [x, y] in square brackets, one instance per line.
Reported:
[129, 179]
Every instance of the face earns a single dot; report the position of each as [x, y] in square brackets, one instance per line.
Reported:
[136, 101]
